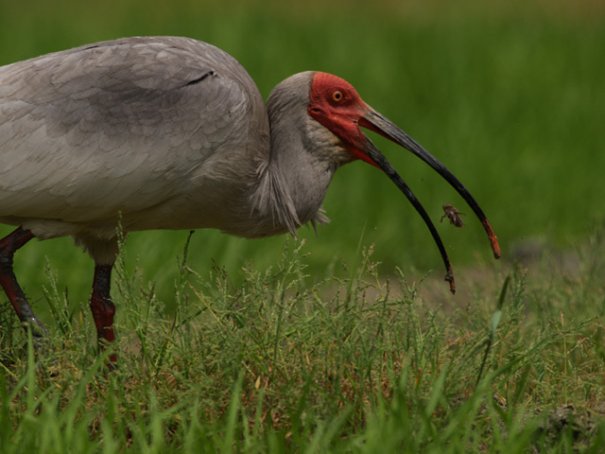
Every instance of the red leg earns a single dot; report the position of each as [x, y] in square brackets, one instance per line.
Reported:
[101, 306]
[8, 246]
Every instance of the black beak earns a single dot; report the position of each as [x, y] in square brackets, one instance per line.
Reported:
[383, 126]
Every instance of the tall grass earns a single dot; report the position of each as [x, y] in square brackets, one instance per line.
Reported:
[359, 364]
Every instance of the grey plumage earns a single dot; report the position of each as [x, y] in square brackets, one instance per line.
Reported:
[159, 133]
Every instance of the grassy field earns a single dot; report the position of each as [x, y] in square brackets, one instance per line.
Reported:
[309, 344]
[354, 365]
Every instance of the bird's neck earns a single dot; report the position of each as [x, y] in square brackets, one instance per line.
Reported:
[293, 182]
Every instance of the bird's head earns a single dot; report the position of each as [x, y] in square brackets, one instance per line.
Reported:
[335, 104]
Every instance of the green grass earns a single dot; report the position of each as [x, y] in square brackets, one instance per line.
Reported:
[353, 365]
[311, 344]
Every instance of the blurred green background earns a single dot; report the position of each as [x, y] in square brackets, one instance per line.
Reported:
[509, 95]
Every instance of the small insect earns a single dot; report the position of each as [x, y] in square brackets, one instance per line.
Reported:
[452, 213]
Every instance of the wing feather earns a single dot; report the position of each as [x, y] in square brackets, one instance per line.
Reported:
[117, 126]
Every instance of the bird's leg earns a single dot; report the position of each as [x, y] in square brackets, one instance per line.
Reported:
[102, 307]
[8, 246]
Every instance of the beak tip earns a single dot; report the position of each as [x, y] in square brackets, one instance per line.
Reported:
[495, 247]
[493, 239]
[449, 277]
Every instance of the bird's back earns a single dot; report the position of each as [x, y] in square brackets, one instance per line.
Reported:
[139, 127]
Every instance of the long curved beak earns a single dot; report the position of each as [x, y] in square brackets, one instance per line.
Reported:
[378, 123]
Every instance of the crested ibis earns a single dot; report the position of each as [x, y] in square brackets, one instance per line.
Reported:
[172, 133]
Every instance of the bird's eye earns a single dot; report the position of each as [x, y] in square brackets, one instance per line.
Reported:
[337, 96]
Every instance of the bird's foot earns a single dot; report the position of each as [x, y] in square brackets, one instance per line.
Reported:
[107, 343]
[36, 327]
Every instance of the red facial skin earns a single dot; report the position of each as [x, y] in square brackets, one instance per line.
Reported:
[335, 104]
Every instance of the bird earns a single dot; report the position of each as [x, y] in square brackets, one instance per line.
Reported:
[165, 132]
